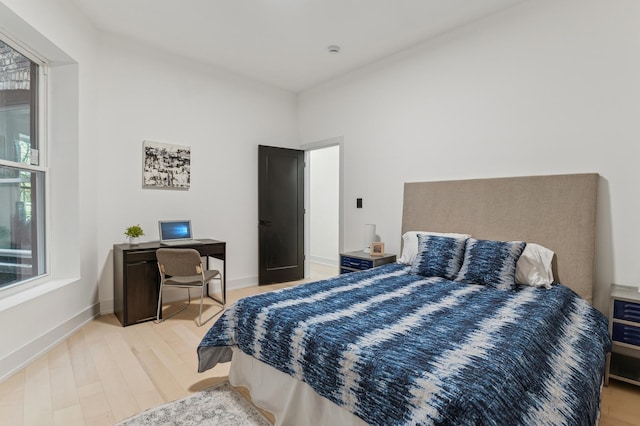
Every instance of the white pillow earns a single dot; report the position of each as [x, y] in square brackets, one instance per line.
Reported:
[410, 244]
[534, 266]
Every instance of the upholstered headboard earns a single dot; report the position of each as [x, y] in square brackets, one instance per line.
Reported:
[558, 212]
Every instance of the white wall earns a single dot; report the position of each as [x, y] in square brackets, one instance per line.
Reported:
[37, 318]
[324, 204]
[148, 95]
[548, 87]
[107, 96]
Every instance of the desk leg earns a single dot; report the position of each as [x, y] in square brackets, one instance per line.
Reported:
[206, 263]
[224, 282]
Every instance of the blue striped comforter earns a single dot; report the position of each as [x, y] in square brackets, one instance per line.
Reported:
[397, 348]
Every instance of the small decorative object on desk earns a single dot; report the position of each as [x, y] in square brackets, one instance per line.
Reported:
[134, 233]
[377, 248]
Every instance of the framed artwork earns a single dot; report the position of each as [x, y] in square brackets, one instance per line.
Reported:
[377, 249]
[166, 166]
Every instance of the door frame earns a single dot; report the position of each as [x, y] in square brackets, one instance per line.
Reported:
[308, 147]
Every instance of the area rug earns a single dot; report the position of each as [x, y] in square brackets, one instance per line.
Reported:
[218, 405]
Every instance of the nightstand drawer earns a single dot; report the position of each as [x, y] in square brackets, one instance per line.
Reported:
[626, 334]
[628, 311]
[355, 263]
[360, 261]
[624, 324]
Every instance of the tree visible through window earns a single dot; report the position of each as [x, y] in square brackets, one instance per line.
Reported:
[21, 176]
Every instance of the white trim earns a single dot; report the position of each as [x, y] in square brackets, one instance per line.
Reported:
[18, 294]
[325, 261]
[24, 166]
[23, 356]
[43, 161]
[307, 147]
[107, 306]
[245, 282]
[43, 220]
[21, 48]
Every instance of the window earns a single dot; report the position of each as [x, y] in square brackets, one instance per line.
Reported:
[22, 179]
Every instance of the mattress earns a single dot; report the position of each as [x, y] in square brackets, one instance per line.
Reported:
[291, 401]
[392, 347]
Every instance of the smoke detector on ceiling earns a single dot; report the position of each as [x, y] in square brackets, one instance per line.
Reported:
[333, 49]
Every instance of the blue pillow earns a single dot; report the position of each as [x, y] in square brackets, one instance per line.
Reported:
[491, 263]
[438, 256]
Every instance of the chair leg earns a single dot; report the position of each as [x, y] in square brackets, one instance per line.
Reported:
[202, 291]
[200, 322]
[223, 299]
[158, 320]
[159, 304]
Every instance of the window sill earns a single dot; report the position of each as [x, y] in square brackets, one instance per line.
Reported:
[16, 296]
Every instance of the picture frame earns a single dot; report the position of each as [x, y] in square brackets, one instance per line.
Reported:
[377, 249]
[166, 166]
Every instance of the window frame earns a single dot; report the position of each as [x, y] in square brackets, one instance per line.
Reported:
[41, 132]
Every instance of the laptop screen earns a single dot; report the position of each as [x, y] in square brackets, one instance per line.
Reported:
[171, 230]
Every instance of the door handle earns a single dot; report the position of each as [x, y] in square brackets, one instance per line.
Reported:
[264, 222]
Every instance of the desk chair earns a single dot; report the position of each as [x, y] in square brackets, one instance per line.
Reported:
[182, 268]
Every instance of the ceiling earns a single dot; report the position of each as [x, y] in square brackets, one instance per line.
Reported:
[284, 42]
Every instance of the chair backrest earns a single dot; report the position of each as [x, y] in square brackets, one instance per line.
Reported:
[179, 262]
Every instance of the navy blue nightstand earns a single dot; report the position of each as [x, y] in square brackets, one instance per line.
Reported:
[359, 261]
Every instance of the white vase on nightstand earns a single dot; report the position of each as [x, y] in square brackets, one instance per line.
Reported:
[369, 236]
[134, 240]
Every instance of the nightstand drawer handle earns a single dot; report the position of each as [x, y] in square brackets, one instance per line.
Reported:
[351, 262]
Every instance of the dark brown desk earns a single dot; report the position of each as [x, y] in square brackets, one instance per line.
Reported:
[136, 280]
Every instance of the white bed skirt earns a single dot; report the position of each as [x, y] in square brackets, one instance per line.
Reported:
[291, 401]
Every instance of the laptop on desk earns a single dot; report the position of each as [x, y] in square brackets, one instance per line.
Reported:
[176, 233]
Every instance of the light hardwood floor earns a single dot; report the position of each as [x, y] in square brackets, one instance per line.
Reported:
[104, 373]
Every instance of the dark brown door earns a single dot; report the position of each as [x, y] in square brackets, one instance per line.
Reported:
[280, 214]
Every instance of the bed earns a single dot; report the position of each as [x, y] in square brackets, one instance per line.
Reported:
[448, 338]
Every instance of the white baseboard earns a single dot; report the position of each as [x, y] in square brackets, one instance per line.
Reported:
[242, 283]
[324, 260]
[106, 306]
[23, 356]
